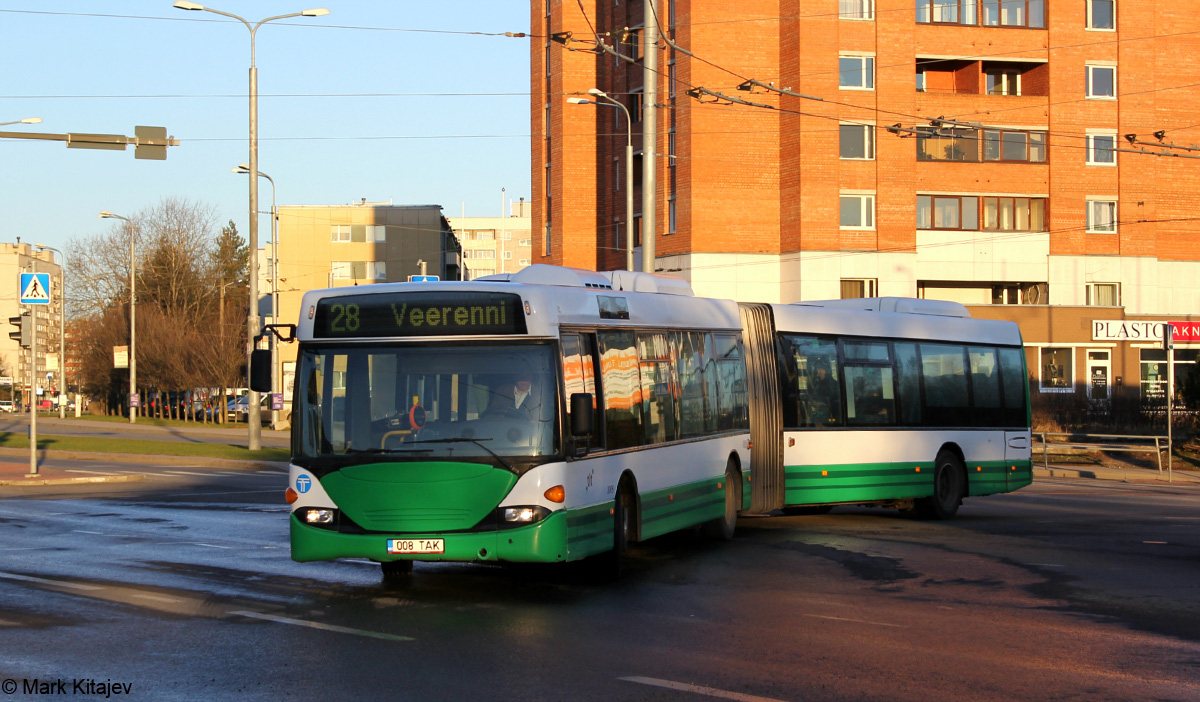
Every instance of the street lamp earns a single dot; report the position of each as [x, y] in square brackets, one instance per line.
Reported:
[132, 309]
[27, 120]
[275, 374]
[609, 102]
[255, 428]
[62, 329]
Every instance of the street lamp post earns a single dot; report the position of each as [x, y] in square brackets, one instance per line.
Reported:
[275, 371]
[27, 120]
[62, 329]
[609, 102]
[132, 312]
[252, 414]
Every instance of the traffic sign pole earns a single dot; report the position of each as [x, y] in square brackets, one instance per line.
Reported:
[33, 466]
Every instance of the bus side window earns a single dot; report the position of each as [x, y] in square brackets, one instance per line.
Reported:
[658, 388]
[908, 373]
[689, 369]
[731, 370]
[947, 403]
[620, 383]
[1012, 373]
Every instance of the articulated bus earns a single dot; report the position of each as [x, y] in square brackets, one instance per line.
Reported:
[884, 401]
[557, 414]
[547, 415]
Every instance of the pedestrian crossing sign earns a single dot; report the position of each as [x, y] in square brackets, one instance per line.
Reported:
[35, 288]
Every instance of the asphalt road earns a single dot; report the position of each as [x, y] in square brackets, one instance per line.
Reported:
[182, 587]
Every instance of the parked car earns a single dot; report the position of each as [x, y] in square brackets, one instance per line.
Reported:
[239, 409]
[7, 406]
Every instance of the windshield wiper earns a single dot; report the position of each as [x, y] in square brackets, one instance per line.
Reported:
[460, 440]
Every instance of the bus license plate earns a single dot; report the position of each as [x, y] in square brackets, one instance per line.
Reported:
[416, 545]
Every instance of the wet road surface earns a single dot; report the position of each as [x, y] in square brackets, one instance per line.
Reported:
[182, 587]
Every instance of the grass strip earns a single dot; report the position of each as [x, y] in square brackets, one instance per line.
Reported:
[144, 447]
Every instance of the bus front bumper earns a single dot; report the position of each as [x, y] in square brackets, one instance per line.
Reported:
[544, 542]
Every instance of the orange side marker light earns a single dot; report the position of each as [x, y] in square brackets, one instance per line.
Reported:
[556, 494]
[290, 495]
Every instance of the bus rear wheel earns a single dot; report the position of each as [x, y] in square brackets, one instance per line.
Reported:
[393, 570]
[948, 489]
[722, 527]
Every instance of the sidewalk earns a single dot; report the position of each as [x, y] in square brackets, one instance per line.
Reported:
[1123, 472]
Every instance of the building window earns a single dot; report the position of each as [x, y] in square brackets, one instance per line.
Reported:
[1101, 82]
[671, 215]
[947, 212]
[522, 262]
[1002, 81]
[376, 233]
[854, 9]
[339, 232]
[947, 144]
[1019, 214]
[637, 230]
[1102, 216]
[618, 242]
[617, 172]
[986, 13]
[508, 255]
[524, 242]
[858, 287]
[1102, 14]
[485, 235]
[546, 249]
[857, 211]
[380, 269]
[856, 72]
[1104, 294]
[1026, 147]
[1100, 149]
[1057, 371]
[635, 105]
[857, 142]
[340, 270]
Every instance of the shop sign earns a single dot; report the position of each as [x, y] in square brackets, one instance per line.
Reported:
[1127, 330]
[1185, 331]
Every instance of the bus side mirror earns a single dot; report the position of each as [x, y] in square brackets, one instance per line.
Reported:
[583, 418]
[260, 370]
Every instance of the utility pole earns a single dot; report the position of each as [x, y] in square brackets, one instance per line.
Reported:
[649, 133]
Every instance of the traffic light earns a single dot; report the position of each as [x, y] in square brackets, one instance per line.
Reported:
[24, 329]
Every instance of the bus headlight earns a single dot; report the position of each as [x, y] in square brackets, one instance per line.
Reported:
[318, 517]
[525, 515]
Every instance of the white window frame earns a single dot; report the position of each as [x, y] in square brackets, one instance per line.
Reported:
[522, 262]
[866, 206]
[869, 141]
[855, 10]
[1092, 150]
[341, 270]
[339, 233]
[1092, 227]
[1090, 293]
[1088, 69]
[866, 69]
[376, 234]
[1088, 22]
[870, 286]
[380, 269]
[1069, 380]
[507, 255]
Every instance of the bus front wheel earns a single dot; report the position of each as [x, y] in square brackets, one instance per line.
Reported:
[948, 489]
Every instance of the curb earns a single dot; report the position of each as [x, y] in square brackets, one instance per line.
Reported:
[1126, 476]
[31, 482]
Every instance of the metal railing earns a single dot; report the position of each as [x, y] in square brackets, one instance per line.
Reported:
[1107, 442]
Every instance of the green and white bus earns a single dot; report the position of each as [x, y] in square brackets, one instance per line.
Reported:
[547, 415]
[884, 401]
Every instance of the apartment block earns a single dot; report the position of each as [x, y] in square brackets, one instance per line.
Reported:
[493, 245]
[993, 152]
[15, 362]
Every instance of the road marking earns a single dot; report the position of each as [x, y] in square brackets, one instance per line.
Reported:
[710, 691]
[93, 472]
[142, 472]
[1154, 542]
[187, 472]
[275, 472]
[45, 581]
[197, 543]
[856, 621]
[81, 531]
[1046, 565]
[156, 598]
[324, 627]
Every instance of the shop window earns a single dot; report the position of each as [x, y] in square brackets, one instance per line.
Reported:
[1057, 370]
[1104, 294]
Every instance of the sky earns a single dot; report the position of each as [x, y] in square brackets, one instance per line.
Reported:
[401, 101]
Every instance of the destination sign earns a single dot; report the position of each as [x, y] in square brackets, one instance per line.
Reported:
[447, 313]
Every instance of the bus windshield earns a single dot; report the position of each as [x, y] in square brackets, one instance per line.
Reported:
[491, 402]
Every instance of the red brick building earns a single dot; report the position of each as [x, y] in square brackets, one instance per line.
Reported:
[972, 150]
[1024, 193]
